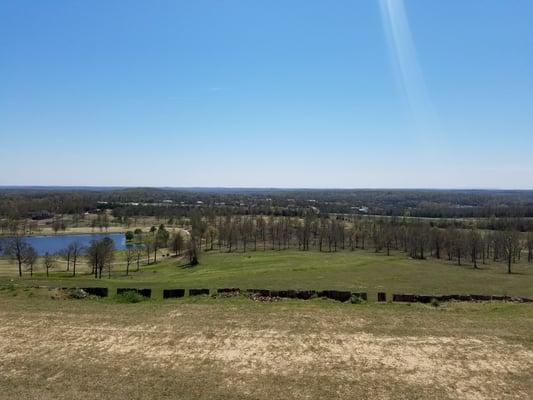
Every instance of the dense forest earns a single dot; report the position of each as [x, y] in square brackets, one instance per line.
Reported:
[23, 202]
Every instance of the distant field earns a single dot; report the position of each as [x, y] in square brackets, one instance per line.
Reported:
[292, 269]
[239, 349]
[44, 227]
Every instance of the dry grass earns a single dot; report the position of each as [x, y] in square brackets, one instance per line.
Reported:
[235, 348]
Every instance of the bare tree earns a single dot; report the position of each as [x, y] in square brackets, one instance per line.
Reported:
[193, 252]
[148, 242]
[138, 253]
[49, 263]
[176, 243]
[130, 256]
[530, 247]
[100, 256]
[437, 241]
[76, 250]
[66, 254]
[30, 258]
[160, 240]
[510, 246]
[16, 248]
[475, 245]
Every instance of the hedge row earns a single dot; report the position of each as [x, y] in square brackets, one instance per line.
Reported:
[415, 298]
[338, 295]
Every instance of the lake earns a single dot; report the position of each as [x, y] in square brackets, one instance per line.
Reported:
[54, 244]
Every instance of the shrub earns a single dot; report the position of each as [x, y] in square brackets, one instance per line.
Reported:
[138, 231]
[76, 293]
[10, 286]
[68, 293]
[434, 302]
[129, 236]
[129, 297]
[356, 299]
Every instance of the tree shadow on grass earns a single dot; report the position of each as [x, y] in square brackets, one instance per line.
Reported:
[514, 273]
[187, 265]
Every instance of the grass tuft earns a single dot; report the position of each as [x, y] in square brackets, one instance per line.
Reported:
[129, 297]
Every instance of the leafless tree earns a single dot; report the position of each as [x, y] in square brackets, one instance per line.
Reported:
[76, 250]
[510, 246]
[100, 256]
[193, 252]
[49, 263]
[30, 258]
[130, 256]
[177, 242]
[16, 248]
[475, 244]
[530, 247]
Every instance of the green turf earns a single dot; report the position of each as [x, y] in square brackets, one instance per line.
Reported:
[292, 269]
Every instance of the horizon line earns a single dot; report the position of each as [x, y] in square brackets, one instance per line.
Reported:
[24, 186]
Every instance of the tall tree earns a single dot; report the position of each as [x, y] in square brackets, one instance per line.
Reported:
[16, 248]
[475, 245]
[176, 242]
[530, 247]
[194, 251]
[30, 258]
[129, 255]
[49, 263]
[66, 254]
[511, 245]
[76, 249]
[100, 256]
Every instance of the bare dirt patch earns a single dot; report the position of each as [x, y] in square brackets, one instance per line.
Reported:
[204, 352]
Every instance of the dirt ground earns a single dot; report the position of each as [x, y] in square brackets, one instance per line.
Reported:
[233, 349]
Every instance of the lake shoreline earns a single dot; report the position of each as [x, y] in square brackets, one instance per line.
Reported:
[54, 244]
[4, 235]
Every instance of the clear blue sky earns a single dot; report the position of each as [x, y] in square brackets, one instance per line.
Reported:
[284, 93]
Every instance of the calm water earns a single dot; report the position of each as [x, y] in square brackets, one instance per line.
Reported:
[53, 244]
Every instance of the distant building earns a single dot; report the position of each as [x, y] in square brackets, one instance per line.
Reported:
[43, 214]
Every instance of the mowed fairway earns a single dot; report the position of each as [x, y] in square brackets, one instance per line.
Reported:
[292, 269]
[236, 348]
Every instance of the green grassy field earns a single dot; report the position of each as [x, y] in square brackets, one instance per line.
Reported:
[292, 269]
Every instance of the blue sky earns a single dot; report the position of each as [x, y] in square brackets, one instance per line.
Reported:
[367, 93]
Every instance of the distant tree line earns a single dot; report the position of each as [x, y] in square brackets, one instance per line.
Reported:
[21, 203]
